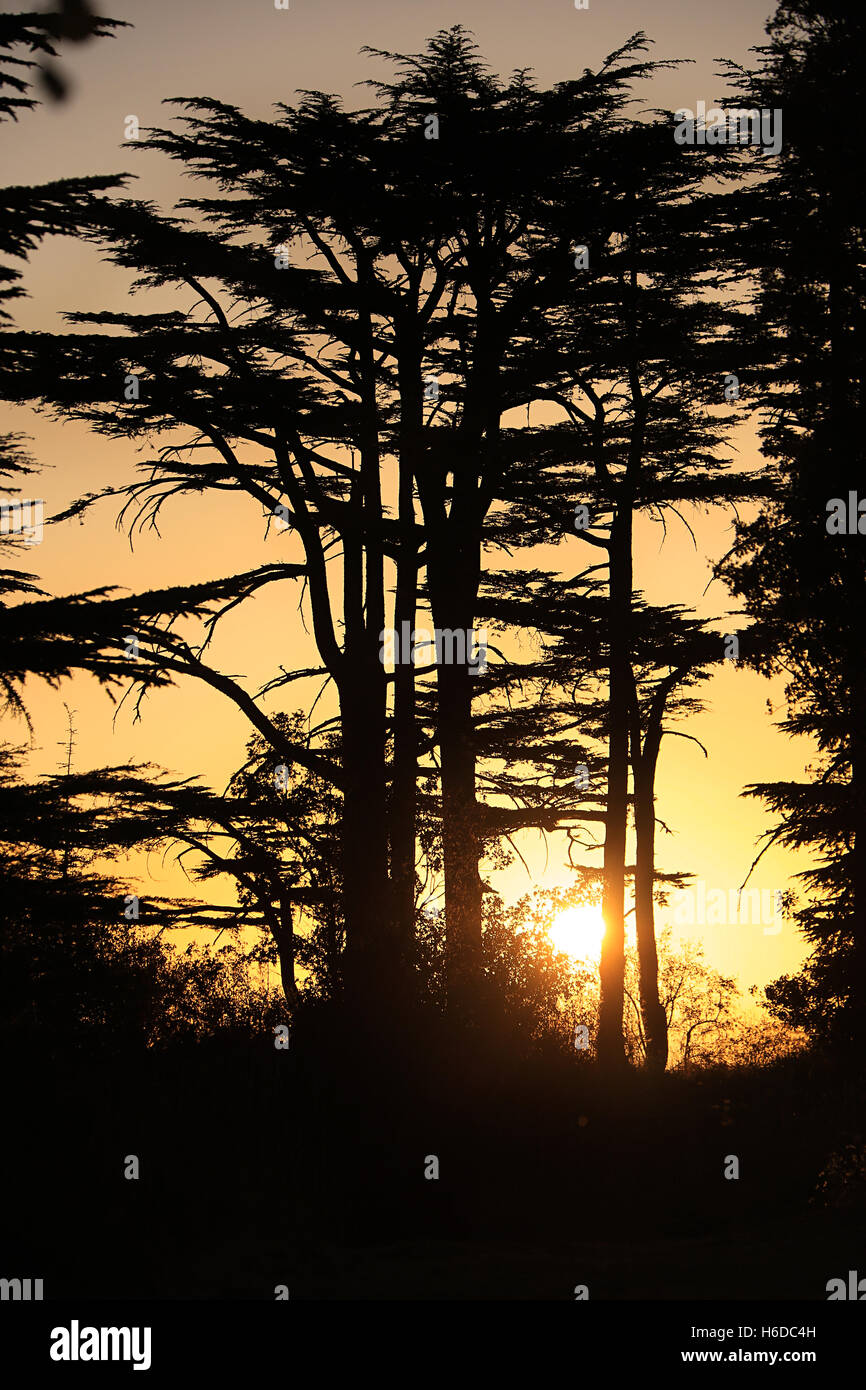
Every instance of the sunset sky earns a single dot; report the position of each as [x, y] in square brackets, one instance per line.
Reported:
[253, 55]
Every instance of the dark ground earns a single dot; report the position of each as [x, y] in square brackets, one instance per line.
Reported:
[306, 1168]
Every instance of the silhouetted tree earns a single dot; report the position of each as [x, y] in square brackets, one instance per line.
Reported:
[432, 254]
[636, 376]
[800, 576]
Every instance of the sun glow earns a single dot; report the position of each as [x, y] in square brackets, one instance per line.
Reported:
[578, 932]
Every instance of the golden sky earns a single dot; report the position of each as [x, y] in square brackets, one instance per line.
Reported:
[252, 54]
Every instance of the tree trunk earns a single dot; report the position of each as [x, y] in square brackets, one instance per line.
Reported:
[454, 574]
[371, 959]
[285, 943]
[461, 844]
[610, 1044]
[403, 826]
[367, 956]
[655, 1024]
[453, 570]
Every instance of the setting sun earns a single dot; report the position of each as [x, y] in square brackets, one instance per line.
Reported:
[578, 932]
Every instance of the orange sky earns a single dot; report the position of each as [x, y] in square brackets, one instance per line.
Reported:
[253, 55]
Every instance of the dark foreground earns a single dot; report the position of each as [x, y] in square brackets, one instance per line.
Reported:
[306, 1169]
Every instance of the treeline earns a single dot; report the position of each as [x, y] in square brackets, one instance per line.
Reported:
[84, 967]
[474, 318]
